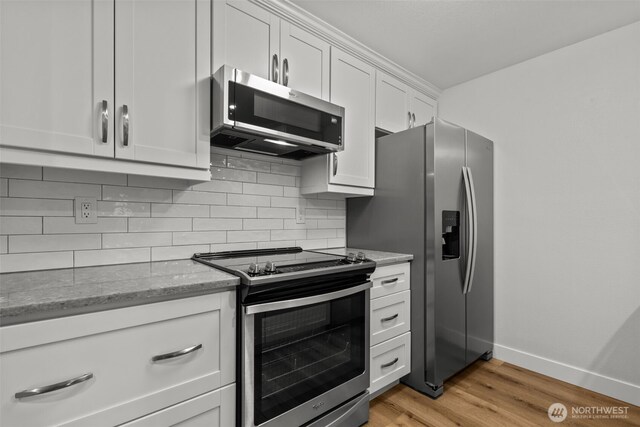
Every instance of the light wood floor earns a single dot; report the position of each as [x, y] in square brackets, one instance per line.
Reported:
[493, 393]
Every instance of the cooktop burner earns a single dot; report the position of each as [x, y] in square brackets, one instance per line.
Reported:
[268, 265]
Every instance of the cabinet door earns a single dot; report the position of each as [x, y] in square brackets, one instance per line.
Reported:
[392, 104]
[423, 107]
[245, 36]
[304, 61]
[56, 68]
[162, 79]
[353, 87]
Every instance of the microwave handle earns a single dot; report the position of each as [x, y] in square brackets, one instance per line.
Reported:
[300, 302]
[275, 69]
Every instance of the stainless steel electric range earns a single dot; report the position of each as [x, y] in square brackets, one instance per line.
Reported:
[303, 336]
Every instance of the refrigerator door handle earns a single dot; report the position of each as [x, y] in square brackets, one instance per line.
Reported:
[470, 228]
[474, 246]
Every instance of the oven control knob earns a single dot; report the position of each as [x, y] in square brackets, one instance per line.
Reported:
[270, 267]
[360, 257]
[351, 258]
[253, 269]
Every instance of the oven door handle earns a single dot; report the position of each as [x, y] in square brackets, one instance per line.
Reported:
[301, 302]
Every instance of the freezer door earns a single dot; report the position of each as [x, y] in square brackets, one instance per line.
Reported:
[445, 298]
[480, 290]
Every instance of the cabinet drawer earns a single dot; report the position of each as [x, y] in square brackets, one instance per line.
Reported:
[390, 361]
[390, 279]
[389, 316]
[117, 347]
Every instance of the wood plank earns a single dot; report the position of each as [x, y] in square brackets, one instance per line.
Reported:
[493, 393]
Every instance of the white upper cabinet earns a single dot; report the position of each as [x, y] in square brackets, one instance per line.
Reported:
[252, 39]
[399, 107]
[162, 81]
[56, 69]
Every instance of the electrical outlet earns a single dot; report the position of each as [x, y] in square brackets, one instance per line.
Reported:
[300, 215]
[86, 210]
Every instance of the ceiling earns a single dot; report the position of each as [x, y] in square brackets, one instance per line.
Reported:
[448, 42]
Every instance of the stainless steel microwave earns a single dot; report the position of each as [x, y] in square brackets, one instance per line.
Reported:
[250, 113]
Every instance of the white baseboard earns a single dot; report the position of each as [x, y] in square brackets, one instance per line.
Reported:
[621, 390]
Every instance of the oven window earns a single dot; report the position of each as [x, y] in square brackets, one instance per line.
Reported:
[303, 352]
[264, 110]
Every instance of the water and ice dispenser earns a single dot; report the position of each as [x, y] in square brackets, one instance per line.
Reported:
[450, 235]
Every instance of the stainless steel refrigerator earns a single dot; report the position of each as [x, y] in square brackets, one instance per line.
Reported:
[434, 199]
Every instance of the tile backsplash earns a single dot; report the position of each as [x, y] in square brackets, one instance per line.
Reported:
[249, 203]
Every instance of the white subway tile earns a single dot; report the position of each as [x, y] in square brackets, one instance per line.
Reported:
[63, 225]
[52, 190]
[164, 253]
[35, 207]
[167, 210]
[25, 262]
[233, 175]
[291, 192]
[135, 240]
[321, 204]
[199, 237]
[248, 164]
[285, 169]
[292, 162]
[288, 234]
[125, 209]
[288, 202]
[53, 242]
[312, 244]
[276, 244]
[4, 187]
[218, 186]
[4, 244]
[276, 213]
[218, 160]
[321, 233]
[136, 194]
[20, 171]
[331, 223]
[340, 232]
[233, 212]
[269, 178]
[316, 213]
[221, 247]
[217, 224]
[199, 197]
[157, 182]
[159, 224]
[246, 200]
[298, 181]
[336, 243]
[290, 224]
[111, 256]
[336, 214]
[223, 151]
[261, 224]
[262, 189]
[20, 225]
[87, 177]
[341, 204]
[247, 236]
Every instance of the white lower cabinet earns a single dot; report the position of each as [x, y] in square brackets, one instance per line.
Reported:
[390, 317]
[126, 363]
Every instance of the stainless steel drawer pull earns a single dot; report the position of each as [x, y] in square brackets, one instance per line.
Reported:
[386, 365]
[335, 164]
[53, 387]
[413, 121]
[125, 125]
[387, 319]
[409, 121]
[175, 354]
[105, 120]
[389, 281]
[285, 72]
[275, 69]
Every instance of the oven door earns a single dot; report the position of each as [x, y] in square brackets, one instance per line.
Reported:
[304, 357]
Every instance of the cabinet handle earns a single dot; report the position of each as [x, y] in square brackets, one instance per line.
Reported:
[175, 354]
[386, 319]
[125, 125]
[413, 116]
[285, 72]
[105, 120]
[335, 164]
[274, 68]
[386, 282]
[409, 120]
[53, 387]
[386, 365]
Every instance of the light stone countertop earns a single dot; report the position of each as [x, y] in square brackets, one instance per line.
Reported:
[45, 294]
[381, 258]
